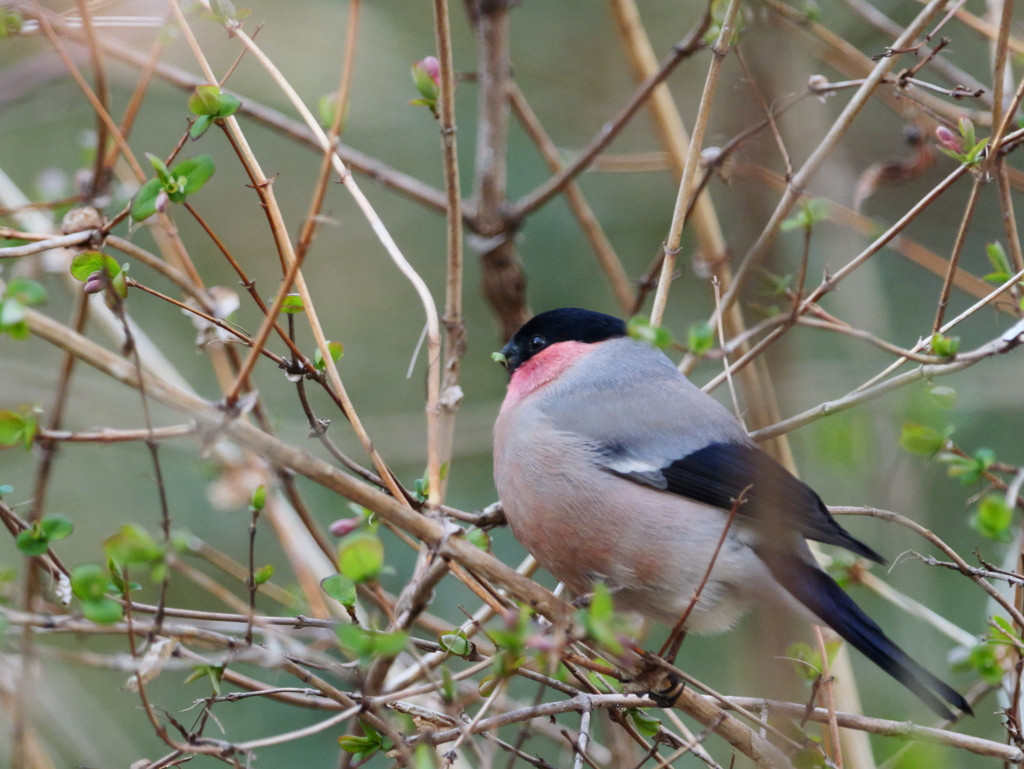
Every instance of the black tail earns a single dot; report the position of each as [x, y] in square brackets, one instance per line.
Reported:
[819, 592]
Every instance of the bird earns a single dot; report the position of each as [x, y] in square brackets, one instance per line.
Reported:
[613, 467]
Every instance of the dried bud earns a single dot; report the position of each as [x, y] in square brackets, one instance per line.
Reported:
[948, 139]
[81, 219]
[819, 85]
[344, 526]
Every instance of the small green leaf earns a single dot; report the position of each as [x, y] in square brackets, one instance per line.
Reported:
[945, 346]
[498, 357]
[361, 556]
[205, 100]
[918, 439]
[700, 338]
[1005, 631]
[89, 262]
[370, 643]
[56, 528]
[132, 544]
[196, 171]
[943, 397]
[12, 428]
[639, 327]
[487, 686]
[336, 349]
[89, 581]
[811, 212]
[1000, 263]
[27, 292]
[263, 574]
[647, 725]
[457, 643]
[993, 518]
[144, 202]
[12, 319]
[982, 659]
[806, 660]
[340, 588]
[292, 304]
[259, 498]
[31, 542]
[480, 538]
[228, 105]
[104, 611]
[200, 126]
[161, 170]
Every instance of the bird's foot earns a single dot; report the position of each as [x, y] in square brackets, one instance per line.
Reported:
[665, 696]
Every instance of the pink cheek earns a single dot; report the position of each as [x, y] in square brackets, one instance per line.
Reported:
[541, 369]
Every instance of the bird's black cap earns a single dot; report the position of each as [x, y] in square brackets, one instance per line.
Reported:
[568, 324]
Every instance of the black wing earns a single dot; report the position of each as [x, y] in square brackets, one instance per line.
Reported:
[717, 474]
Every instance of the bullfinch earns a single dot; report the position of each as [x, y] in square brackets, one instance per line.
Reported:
[612, 466]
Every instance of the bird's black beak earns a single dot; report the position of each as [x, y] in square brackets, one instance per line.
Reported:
[508, 357]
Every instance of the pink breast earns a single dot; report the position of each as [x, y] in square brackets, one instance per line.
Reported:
[541, 369]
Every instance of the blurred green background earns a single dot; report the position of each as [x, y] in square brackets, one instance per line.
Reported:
[569, 63]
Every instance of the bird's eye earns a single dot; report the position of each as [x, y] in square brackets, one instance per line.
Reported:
[537, 343]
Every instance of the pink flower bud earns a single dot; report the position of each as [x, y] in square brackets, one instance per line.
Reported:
[95, 282]
[426, 75]
[344, 526]
[948, 139]
[433, 68]
[162, 201]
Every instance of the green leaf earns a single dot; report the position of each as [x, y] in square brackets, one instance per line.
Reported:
[259, 498]
[993, 518]
[200, 126]
[89, 581]
[480, 538]
[340, 588]
[811, 212]
[263, 574]
[12, 319]
[639, 327]
[918, 439]
[292, 304]
[808, 758]
[132, 544]
[144, 202]
[336, 349]
[943, 397]
[228, 105]
[1004, 632]
[161, 170]
[196, 171]
[370, 643]
[104, 611]
[982, 659]
[647, 725]
[56, 528]
[600, 621]
[806, 660]
[27, 292]
[361, 556]
[205, 100]
[945, 346]
[1000, 264]
[31, 542]
[362, 747]
[89, 262]
[12, 428]
[700, 338]
[457, 643]
[213, 673]
[968, 469]
[498, 357]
